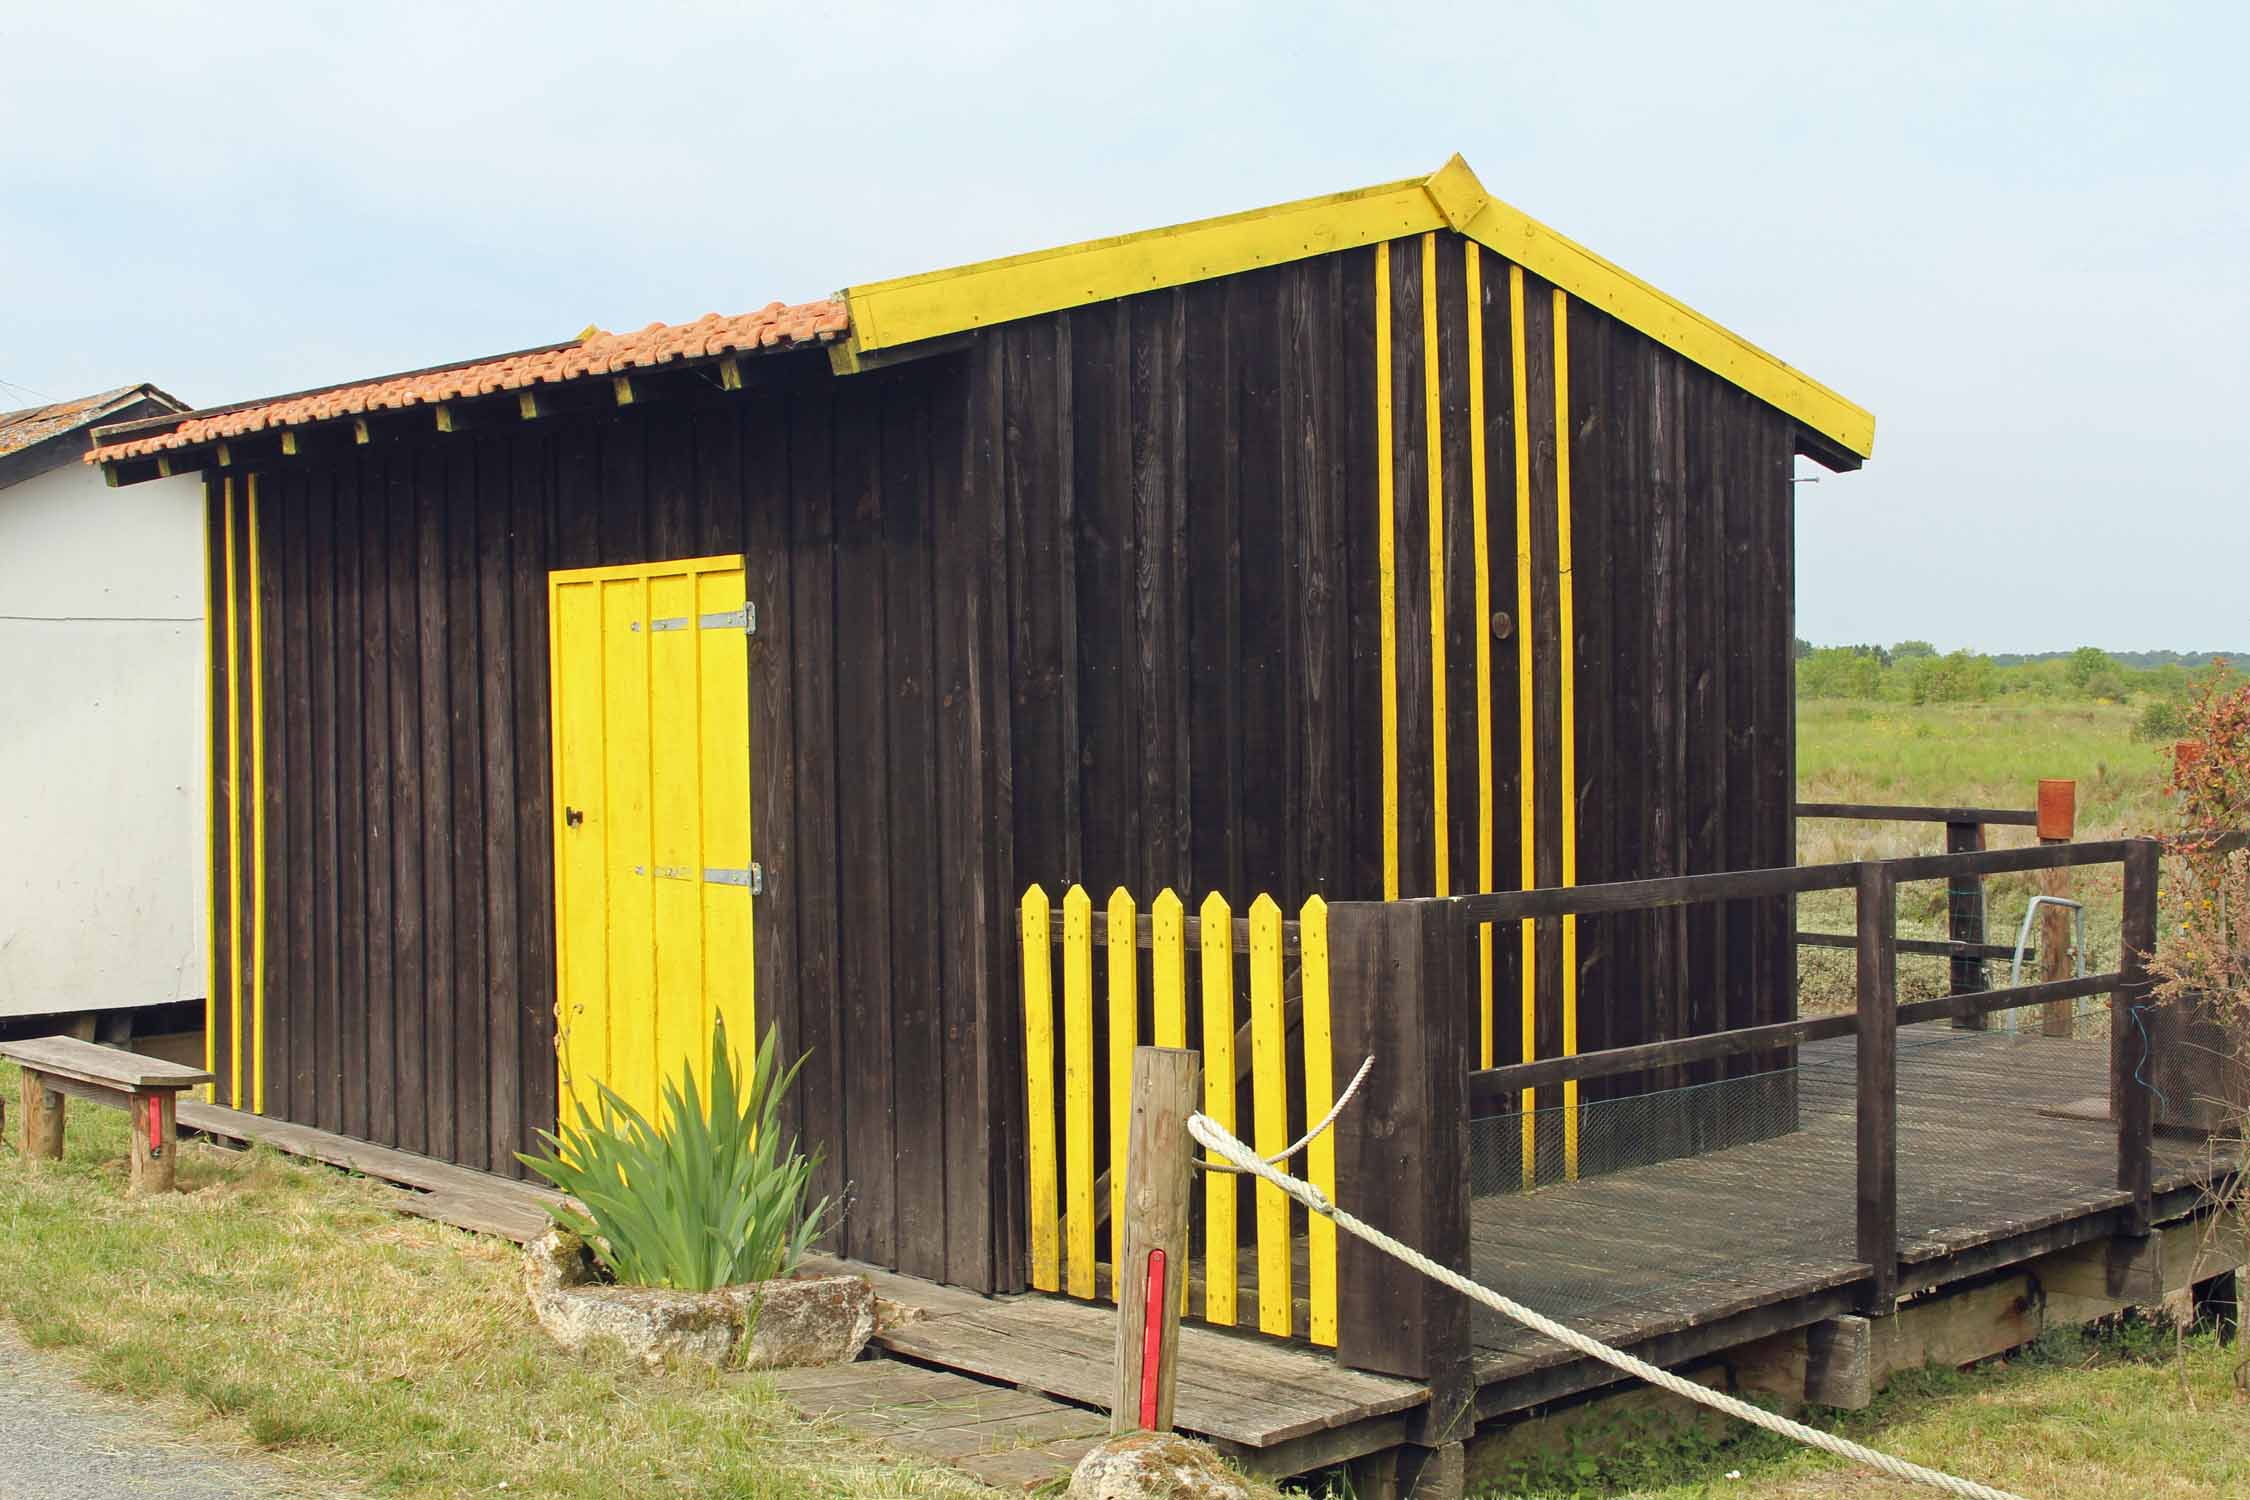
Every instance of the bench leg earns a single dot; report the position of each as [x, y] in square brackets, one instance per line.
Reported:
[42, 1119]
[156, 1143]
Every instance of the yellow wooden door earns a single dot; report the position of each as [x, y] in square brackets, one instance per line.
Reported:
[653, 876]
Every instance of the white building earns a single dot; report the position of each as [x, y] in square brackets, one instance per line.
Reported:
[102, 889]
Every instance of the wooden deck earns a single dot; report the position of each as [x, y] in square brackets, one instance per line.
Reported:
[1988, 1157]
[1675, 1261]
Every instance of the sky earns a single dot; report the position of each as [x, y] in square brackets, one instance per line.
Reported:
[2015, 233]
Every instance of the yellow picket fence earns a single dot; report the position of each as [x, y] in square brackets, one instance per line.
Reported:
[1064, 1181]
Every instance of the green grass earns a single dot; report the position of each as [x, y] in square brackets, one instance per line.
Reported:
[1974, 755]
[2123, 1413]
[277, 1305]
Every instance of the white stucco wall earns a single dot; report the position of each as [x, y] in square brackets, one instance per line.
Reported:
[101, 773]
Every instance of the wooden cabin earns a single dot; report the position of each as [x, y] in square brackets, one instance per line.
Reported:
[1376, 545]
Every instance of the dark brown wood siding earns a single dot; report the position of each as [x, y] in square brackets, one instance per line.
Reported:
[410, 899]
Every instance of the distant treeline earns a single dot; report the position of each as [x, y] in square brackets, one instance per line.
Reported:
[1915, 672]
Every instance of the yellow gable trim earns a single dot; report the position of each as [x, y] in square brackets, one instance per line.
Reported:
[911, 309]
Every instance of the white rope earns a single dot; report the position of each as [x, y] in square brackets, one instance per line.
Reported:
[1309, 1136]
[1218, 1138]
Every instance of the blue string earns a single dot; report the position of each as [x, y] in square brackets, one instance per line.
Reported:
[2147, 1046]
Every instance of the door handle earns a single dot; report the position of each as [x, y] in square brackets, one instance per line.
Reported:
[573, 817]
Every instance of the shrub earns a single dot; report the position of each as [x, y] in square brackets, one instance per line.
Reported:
[717, 1198]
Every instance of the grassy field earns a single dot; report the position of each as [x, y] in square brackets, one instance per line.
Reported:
[1974, 755]
[278, 1306]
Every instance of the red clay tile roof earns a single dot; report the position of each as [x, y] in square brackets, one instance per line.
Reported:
[776, 324]
[23, 429]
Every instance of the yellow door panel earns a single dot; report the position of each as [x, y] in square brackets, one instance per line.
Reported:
[653, 864]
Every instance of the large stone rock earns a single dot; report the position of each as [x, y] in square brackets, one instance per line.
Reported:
[1154, 1466]
[766, 1326]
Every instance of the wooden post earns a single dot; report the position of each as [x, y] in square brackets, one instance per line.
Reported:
[42, 1119]
[2058, 820]
[2129, 1037]
[1399, 991]
[1878, 1085]
[156, 1142]
[1964, 907]
[1167, 1083]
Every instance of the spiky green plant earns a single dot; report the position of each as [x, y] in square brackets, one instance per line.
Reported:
[716, 1198]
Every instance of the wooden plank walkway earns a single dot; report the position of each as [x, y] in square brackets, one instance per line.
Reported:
[1008, 1438]
[1639, 1254]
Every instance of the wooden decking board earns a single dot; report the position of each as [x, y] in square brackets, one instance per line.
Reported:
[1004, 1436]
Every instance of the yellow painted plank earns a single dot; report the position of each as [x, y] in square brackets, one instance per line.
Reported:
[1480, 548]
[1527, 688]
[234, 818]
[1386, 567]
[729, 911]
[1580, 272]
[1567, 677]
[1320, 1096]
[1218, 1103]
[1168, 968]
[1078, 1089]
[630, 929]
[257, 819]
[1269, 1096]
[582, 869]
[1124, 1007]
[1039, 1091]
[681, 1019]
[907, 309]
[1433, 425]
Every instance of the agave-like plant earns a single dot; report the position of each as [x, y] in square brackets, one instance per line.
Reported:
[716, 1198]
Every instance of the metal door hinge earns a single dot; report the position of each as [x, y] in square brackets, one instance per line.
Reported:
[744, 619]
[752, 878]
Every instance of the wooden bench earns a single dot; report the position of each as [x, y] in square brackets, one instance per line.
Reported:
[148, 1087]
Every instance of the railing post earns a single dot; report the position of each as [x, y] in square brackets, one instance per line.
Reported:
[1167, 1086]
[1878, 1085]
[1964, 906]
[2129, 1036]
[1399, 992]
[2058, 820]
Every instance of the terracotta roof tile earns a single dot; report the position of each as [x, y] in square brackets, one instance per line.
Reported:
[771, 326]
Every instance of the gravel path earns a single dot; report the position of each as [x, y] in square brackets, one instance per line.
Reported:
[59, 1441]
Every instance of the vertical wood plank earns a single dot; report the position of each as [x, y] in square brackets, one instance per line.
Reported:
[1964, 914]
[1320, 1097]
[1269, 1093]
[533, 503]
[468, 681]
[324, 1000]
[1120, 938]
[409, 973]
[1216, 947]
[436, 827]
[347, 905]
[1078, 1089]
[1039, 1090]
[379, 834]
[1168, 968]
[1878, 1085]
[503, 982]
[1386, 567]
[296, 846]
[2129, 1035]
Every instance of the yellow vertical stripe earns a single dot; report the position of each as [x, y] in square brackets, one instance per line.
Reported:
[1567, 675]
[1124, 1005]
[1168, 966]
[1481, 540]
[1526, 749]
[234, 823]
[1269, 1095]
[1039, 1091]
[1217, 941]
[1078, 1089]
[1386, 566]
[257, 820]
[1320, 1095]
[1433, 429]
[210, 818]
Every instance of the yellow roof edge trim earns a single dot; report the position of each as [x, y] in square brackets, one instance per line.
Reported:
[910, 309]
